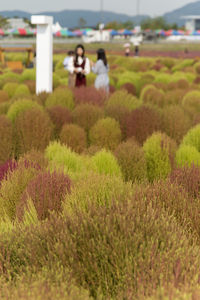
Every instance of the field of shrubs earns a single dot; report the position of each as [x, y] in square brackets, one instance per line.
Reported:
[100, 194]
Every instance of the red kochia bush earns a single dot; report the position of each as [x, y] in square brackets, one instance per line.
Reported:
[10, 165]
[89, 95]
[142, 122]
[6, 139]
[188, 178]
[47, 191]
[59, 115]
[130, 88]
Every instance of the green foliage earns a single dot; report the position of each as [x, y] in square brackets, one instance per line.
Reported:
[10, 88]
[159, 152]
[106, 163]
[192, 138]
[22, 90]
[63, 97]
[28, 74]
[6, 139]
[123, 98]
[105, 133]
[191, 102]
[187, 155]
[21, 106]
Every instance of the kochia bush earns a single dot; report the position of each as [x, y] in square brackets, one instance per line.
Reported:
[61, 96]
[74, 137]
[159, 152]
[123, 98]
[187, 155]
[6, 139]
[105, 133]
[192, 138]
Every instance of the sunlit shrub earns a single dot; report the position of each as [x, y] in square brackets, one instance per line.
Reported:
[174, 96]
[46, 191]
[31, 85]
[33, 130]
[152, 95]
[187, 155]
[21, 106]
[123, 98]
[74, 137]
[59, 116]
[142, 122]
[10, 88]
[62, 97]
[86, 115]
[191, 102]
[192, 138]
[105, 133]
[6, 139]
[131, 159]
[22, 90]
[28, 74]
[106, 163]
[159, 152]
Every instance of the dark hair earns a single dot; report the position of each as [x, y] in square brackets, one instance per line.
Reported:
[76, 54]
[101, 55]
[70, 52]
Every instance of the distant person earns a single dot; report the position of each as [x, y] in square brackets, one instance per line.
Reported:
[101, 68]
[136, 45]
[80, 66]
[127, 49]
[71, 77]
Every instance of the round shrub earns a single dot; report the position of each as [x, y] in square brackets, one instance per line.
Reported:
[59, 116]
[10, 88]
[174, 97]
[159, 152]
[86, 115]
[131, 159]
[33, 131]
[21, 106]
[62, 97]
[191, 102]
[36, 158]
[10, 165]
[105, 133]
[22, 90]
[6, 139]
[3, 96]
[89, 95]
[176, 123]
[187, 155]
[151, 95]
[28, 74]
[46, 191]
[123, 98]
[130, 88]
[106, 163]
[13, 186]
[74, 137]
[192, 138]
[31, 85]
[142, 122]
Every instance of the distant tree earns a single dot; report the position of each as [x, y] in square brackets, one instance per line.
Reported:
[82, 22]
[3, 22]
[157, 23]
[118, 25]
[128, 24]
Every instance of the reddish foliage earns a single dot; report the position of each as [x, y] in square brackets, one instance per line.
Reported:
[59, 116]
[47, 191]
[130, 88]
[142, 122]
[10, 165]
[6, 139]
[89, 95]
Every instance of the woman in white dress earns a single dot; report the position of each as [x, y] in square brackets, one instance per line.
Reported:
[101, 68]
[80, 66]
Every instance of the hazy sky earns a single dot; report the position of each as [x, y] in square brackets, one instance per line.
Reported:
[152, 7]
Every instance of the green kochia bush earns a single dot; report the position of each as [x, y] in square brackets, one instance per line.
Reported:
[123, 98]
[46, 191]
[20, 106]
[61, 96]
[106, 163]
[187, 155]
[6, 139]
[159, 152]
[192, 138]
[22, 90]
[131, 159]
[105, 133]
[191, 102]
[10, 88]
[151, 95]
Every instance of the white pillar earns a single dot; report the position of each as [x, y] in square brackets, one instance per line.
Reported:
[44, 53]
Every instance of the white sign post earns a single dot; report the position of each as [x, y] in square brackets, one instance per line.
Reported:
[44, 53]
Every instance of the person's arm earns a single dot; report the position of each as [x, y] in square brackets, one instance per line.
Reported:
[70, 66]
[95, 68]
[87, 67]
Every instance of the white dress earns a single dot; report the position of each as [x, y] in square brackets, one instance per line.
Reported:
[102, 80]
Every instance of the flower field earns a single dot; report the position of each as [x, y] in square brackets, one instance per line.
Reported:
[100, 194]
